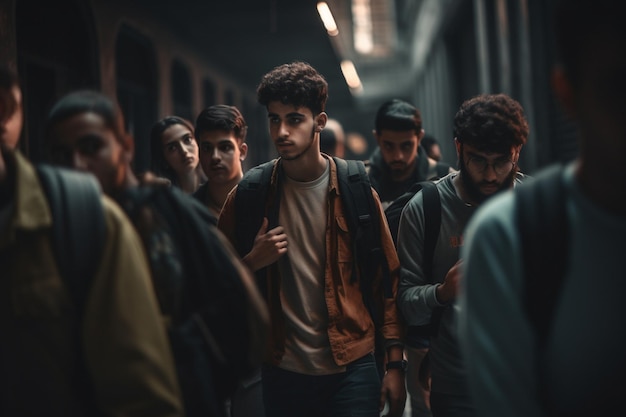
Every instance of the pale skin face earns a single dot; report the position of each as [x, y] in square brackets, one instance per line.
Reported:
[180, 149]
[86, 143]
[295, 131]
[399, 150]
[221, 156]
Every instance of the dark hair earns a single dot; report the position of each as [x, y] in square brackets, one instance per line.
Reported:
[222, 117]
[158, 163]
[576, 21]
[8, 104]
[398, 115]
[88, 101]
[491, 122]
[298, 84]
[428, 141]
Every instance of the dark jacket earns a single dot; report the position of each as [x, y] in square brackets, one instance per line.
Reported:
[388, 189]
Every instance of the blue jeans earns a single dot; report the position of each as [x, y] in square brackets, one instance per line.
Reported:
[355, 392]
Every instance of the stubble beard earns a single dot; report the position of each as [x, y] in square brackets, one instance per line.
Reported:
[304, 151]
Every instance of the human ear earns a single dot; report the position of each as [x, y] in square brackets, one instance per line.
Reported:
[320, 121]
[243, 151]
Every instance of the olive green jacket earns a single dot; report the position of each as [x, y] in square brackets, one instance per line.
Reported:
[114, 360]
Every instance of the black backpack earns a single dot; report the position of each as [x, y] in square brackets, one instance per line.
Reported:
[363, 224]
[210, 333]
[78, 227]
[78, 236]
[417, 336]
[542, 224]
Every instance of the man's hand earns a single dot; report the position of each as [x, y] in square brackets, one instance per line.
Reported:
[269, 245]
[394, 392]
[448, 290]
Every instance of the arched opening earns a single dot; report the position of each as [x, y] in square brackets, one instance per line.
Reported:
[181, 91]
[208, 93]
[137, 90]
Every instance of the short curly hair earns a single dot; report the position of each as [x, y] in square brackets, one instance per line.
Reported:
[491, 122]
[297, 84]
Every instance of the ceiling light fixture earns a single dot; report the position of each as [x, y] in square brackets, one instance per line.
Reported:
[352, 77]
[327, 18]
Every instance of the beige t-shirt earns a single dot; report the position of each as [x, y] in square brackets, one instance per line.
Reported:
[303, 214]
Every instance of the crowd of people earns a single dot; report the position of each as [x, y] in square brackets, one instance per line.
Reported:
[287, 290]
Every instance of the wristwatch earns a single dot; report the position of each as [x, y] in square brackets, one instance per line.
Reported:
[402, 365]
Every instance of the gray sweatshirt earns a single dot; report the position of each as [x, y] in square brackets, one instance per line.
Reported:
[416, 295]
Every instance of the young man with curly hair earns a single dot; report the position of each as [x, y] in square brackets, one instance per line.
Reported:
[490, 131]
[320, 360]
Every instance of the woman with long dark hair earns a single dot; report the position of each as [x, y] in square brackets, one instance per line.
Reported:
[175, 153]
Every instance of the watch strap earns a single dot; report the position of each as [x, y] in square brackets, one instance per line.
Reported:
[397, 365]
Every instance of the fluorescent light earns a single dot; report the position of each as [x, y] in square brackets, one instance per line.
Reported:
[362, 24]
[327, 18]
[351, 76]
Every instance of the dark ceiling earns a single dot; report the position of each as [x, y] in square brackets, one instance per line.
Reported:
[247, 38]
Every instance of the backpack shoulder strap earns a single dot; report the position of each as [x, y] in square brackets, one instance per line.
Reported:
[432, 224]
[394, 211]
[356, 192]
[432, 218]
[542, 224]
[251, 192]
[78, 226]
